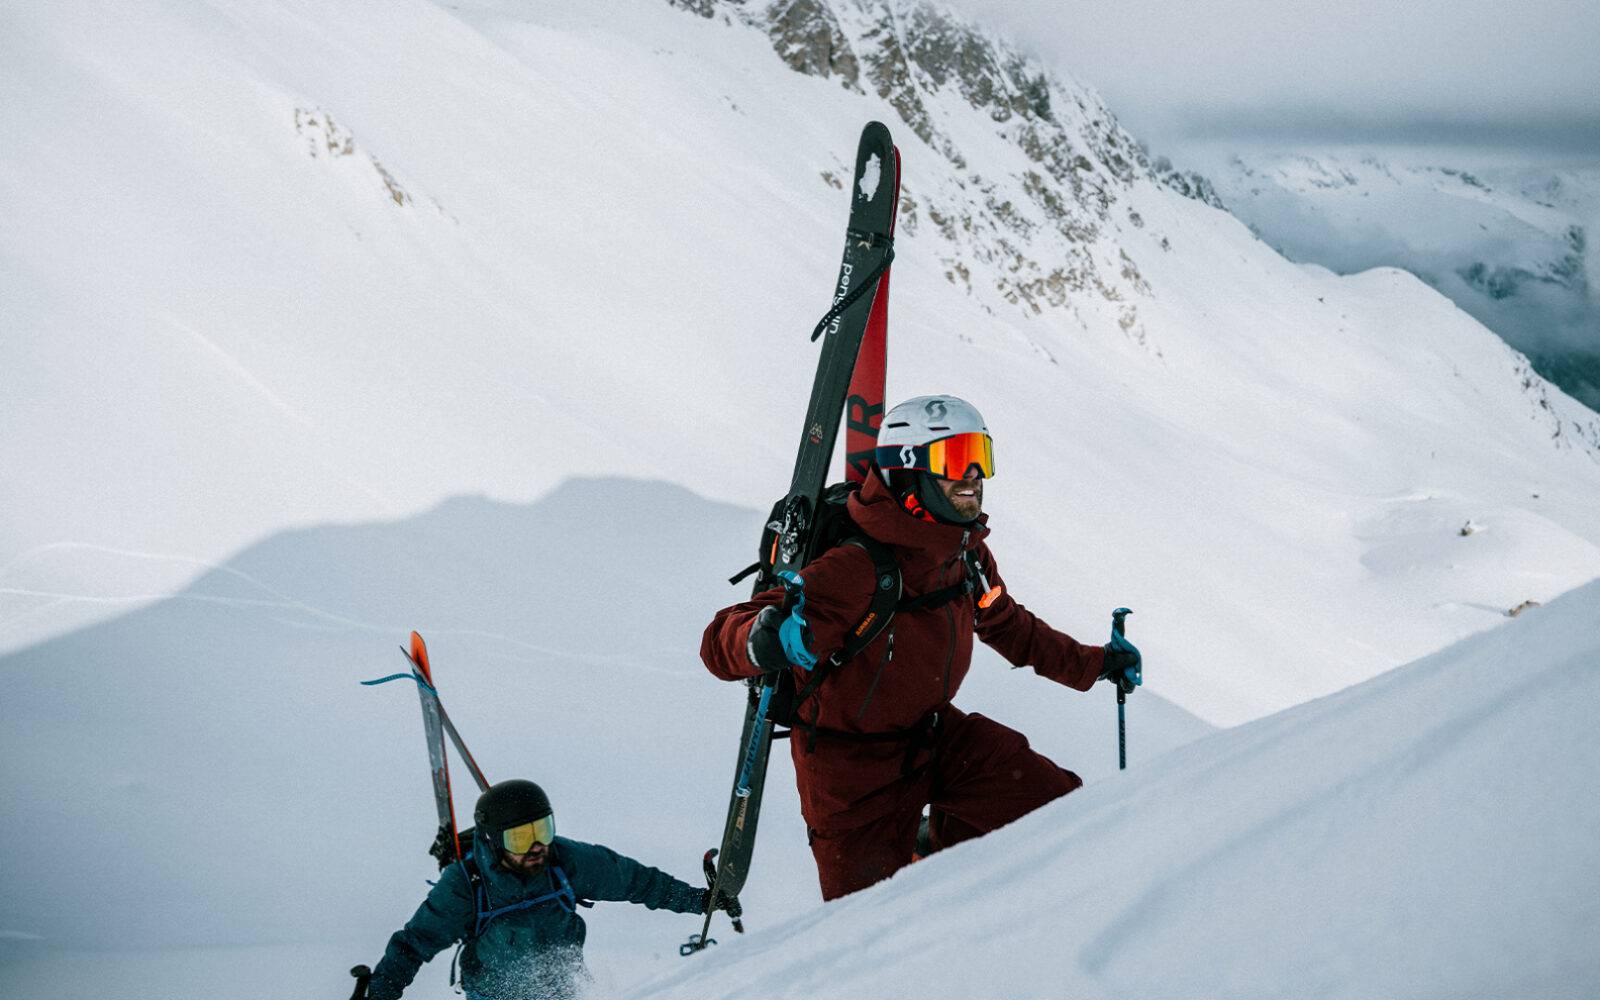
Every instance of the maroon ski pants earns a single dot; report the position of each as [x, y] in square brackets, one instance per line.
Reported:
[978, 776]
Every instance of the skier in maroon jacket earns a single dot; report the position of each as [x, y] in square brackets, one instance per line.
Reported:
[880, 739]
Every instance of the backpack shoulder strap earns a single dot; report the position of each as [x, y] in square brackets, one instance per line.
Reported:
[480, 895]
[880, 611]
[885, 596]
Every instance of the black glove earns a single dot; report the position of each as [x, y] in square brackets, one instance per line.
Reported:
[727, 904]
[1123, 664]
[764, 647]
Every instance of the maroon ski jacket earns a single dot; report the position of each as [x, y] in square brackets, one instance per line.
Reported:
[841, 780]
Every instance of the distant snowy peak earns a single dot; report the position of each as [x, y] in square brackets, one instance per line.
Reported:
[1535, 240]
[1038, 221]
[1512, 247]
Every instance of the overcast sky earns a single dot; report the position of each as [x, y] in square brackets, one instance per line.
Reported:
[1482, 73]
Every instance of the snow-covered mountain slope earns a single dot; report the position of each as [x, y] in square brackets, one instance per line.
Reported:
[278, 278]
[260, 795]
[346, 262]
[1509, 245]
[1429, 833]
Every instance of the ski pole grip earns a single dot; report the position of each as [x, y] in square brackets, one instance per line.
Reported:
[1119, 627]
[1117, 620]
[363, 975]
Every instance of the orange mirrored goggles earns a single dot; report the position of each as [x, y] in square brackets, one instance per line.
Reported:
[954, 457]
[520, 839]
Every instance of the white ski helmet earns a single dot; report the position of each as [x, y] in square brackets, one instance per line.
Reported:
[941, 435]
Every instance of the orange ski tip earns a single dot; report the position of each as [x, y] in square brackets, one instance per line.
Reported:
[990, 597]
[419, 652]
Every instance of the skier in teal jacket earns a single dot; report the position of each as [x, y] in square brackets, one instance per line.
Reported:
[513, 903]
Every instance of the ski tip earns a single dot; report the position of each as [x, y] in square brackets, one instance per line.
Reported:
[418, 654]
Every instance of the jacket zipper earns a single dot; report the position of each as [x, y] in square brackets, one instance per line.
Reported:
[950, 616]
[888, 654]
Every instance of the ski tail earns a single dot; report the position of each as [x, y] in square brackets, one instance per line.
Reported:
[865, 403]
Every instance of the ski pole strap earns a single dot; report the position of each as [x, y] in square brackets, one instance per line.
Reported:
[795, 631]
[871, 281]
[414, 676]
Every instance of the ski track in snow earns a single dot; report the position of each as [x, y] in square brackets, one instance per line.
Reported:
[233, 366]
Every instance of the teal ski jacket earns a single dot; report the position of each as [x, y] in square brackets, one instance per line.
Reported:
[531, 952]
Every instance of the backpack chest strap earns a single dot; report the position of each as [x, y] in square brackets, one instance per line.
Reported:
[563, 894]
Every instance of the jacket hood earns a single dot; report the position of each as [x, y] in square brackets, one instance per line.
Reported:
[877, 511]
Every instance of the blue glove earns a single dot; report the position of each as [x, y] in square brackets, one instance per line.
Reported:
[1123, 664]
[779, 641]
[795, 631]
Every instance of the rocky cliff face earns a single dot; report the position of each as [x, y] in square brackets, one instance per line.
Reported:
[1041, 231]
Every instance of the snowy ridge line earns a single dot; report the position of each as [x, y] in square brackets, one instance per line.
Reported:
[108, 550]
[281, 600]
[345, 623]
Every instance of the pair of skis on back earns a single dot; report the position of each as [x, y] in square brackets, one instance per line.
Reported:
[848, 389]
[436, 725]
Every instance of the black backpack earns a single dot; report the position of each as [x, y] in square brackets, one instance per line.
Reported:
[833, 527]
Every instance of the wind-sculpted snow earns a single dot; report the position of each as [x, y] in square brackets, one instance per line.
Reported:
[1426, 834]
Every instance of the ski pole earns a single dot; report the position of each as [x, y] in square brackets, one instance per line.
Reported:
[363, 977]
[1118, 626]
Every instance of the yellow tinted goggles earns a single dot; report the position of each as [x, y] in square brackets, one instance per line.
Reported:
[520, 839]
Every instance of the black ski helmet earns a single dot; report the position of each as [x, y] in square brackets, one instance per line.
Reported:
[508, 804]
